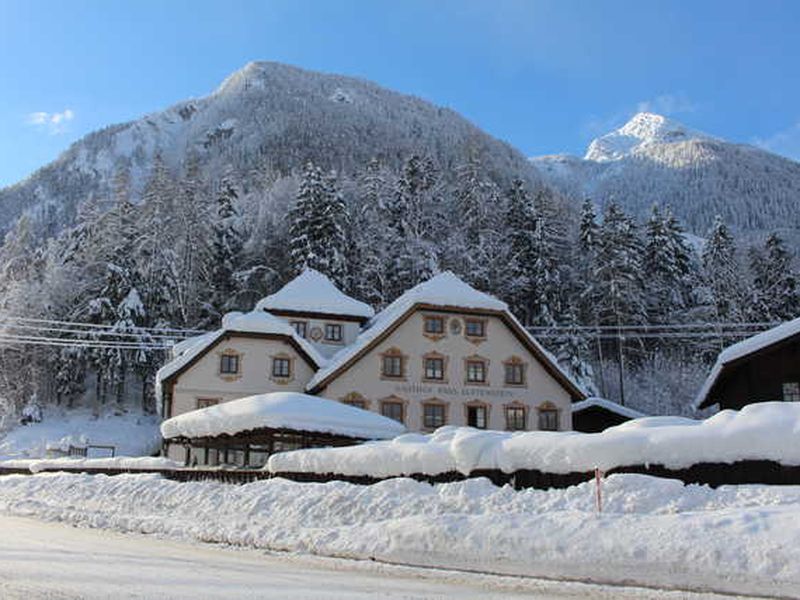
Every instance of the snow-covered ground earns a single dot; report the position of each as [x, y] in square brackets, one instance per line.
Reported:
[653, 532]
[46, 560]
[132, 433]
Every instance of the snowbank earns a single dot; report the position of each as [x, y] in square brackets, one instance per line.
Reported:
[118, 462]
[311, 291]
[132, 434]
[766, 431]
[278, 410]
[652, 532]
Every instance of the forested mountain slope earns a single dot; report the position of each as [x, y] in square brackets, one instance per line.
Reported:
[263, 120]
[652, 159]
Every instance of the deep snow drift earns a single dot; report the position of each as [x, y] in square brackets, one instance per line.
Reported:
[652, 532]
[132, 433]
[764, 431]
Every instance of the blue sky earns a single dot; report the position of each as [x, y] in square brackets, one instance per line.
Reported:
[544, 76]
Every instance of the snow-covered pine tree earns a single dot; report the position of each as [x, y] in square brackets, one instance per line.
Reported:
[723, 275]
[227, 247]
[318, 224]
[776, 296]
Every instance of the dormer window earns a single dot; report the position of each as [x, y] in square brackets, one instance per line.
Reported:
[333, 332]
[301, 328]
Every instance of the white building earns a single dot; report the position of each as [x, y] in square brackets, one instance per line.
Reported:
[442, 353]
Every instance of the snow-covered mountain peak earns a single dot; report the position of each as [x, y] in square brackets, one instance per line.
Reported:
[642, 129]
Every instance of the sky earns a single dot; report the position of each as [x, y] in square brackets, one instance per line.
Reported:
[546, 76]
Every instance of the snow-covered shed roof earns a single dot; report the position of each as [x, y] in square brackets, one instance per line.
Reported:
[608, 405]
[282, 410]
[742, 349]
[446, 291]
[256, 322]
[313, 292]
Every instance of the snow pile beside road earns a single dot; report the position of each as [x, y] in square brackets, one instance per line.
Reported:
[652, 531]
[131, 433]
[765, 431]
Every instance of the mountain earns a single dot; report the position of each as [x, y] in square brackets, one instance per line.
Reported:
[267, 117]
[652, 159]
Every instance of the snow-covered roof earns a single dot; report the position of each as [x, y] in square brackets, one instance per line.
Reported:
[313, 292]
[444, 290]
[282, 410]
[608, 405]
[744, 348]
[234, 322]
[764, 431]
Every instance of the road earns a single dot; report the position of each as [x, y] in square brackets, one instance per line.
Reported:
[52, 561]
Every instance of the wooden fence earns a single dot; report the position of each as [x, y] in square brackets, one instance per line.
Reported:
[712, 474]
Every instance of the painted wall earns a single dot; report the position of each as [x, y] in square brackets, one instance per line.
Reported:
[500, 344]
[203, 379]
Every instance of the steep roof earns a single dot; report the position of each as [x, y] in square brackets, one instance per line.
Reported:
[742, 349]
[313, 292]
[282, 410]
[608, 405]
[253, 323]
[445, 291]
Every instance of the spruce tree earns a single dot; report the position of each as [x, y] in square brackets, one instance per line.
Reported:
[723, 275]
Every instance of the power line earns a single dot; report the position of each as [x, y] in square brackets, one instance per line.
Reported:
[13, 319]
[103, 332]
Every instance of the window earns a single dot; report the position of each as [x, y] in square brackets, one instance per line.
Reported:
[281, 367]
[229, 364]
[392, 409]
[548, 419]
[301, 327]
[333, 332]
[475, 328]
[515, 372]
[476, 371]
[434, 368]
[206, 402]
[434, 325]
[392, 365]
[515, 418]
[791, 391]
[433, 415]
[477, 416]
[355, 399]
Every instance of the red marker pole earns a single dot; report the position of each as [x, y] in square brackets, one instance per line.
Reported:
[598, 489]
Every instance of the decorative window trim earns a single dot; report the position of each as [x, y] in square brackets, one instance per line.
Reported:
[434, 336]
[516, 404]
[472, 359]
[394, 352]
[515, 360]
[335, 341]
[206, 402]
[434, 402]
[548, 406]
[277, 378]
[477, 404]
[395, 400]
[351, 397]
[240, 364]
[476, 339]
[445, 361]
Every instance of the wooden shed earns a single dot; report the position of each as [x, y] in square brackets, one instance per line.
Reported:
[762, 368]
[594, 415]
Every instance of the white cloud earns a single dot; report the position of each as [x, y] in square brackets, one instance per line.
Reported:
[667, 105]
[53, 123]
[786, 142]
